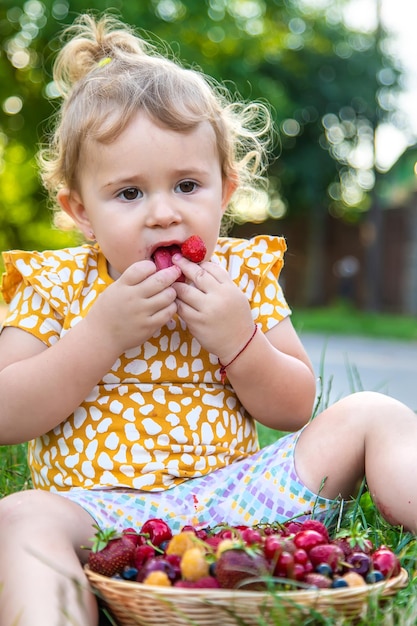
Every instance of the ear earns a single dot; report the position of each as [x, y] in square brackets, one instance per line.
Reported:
[230, 184]
[71, 203]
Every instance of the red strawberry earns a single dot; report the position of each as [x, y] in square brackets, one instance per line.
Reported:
[315, 524]
[307, 539]
[194, 249]
[162, 257]
[110, 553]
[318, 580]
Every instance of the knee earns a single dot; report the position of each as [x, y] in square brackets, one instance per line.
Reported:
[14, 508]
[21, 509]
[375, 403]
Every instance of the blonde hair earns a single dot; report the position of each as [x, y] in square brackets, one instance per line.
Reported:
[105, 73]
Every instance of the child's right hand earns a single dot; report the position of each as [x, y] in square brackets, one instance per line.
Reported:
[135, 306]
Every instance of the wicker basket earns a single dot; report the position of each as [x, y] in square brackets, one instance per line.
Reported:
[135, 604]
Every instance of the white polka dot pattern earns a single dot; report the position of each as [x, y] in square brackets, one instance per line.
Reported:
[161, 414]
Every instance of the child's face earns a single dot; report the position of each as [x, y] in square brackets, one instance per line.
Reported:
[151, 186]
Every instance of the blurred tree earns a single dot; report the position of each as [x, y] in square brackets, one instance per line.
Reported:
[321, 79]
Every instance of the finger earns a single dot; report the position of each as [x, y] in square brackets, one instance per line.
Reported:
[198, 273]
[144, 272]
[137, 272]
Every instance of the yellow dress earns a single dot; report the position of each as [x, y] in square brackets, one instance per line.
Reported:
[161, 414]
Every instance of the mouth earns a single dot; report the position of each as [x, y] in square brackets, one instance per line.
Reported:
[162, 256]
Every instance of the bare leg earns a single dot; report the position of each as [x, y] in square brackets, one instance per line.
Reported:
[364, 433]
[41, 578]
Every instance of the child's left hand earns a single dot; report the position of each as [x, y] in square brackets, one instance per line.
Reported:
[215, 310]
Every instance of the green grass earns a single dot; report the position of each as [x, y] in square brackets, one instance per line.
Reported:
[344, 319]
[14, 474]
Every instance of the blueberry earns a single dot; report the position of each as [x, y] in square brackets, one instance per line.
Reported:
[129, 573]
[338, 583]
[324, 569]
[374, 577]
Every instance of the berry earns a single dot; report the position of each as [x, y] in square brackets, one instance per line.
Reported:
[385, 561]
[142, 554]
[327, 553]
[162, 257]
[158, 578]
[129, 573]
[133, 535]
[307, 539]
[318, 580]
[284, 566]
[157, 564]
[157, 530]
[110, 553]
[275, 544]
[339, 582]
[325, 569]
[181, 543]
[314, 524]
[194, 249]
[194, 564]
[353, 579]
[251, 536]
[374, 577]
[360, 562]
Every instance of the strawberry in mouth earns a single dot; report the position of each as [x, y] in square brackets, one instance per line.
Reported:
[162, 257]
[193, 249]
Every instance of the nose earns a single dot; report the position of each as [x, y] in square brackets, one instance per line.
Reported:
[162, 212]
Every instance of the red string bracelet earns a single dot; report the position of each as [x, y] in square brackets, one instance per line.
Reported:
[223, 367]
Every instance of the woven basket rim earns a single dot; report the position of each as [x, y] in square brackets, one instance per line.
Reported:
[389, 585]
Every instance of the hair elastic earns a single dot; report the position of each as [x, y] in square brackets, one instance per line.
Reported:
[104, 61]
[223, 367]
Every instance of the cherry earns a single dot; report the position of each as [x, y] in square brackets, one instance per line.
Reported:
[385, 561]
[251, 536]
[132, 535]
[299, 571]
[300, 556]
[157, 530]
[284, 567]
[142, 554]
[292, 528]
[273, 547]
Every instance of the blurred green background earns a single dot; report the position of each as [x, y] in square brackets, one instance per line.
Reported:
[348, 220]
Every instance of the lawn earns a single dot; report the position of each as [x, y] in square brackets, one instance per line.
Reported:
[402, 610]
[343, 319]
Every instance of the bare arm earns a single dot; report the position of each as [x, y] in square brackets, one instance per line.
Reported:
[274, 379]
[273, 376]
[41, 386]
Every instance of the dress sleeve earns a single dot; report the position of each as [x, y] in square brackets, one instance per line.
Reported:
[255, 265]
[37, 287]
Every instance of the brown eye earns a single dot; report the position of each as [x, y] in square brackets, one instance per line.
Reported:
[186, 186]
[132, 193]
